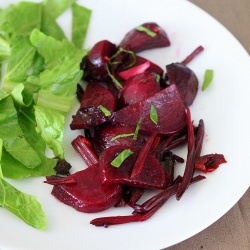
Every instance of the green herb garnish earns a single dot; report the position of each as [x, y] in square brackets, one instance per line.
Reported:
[153, 114]
[146, 30]
[121, 136]
[104, 110]
[208, 77]
[120, 158]
[113, 78]
[138, 126]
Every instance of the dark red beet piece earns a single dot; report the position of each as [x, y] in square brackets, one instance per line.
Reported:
[138, 41]
[138, 88]
[209, 163]
[88, 194]
[94, 65]
[185, 80]
[105, 135]
[170, 110]
[87, 118]
[152, 176]
[96, 94]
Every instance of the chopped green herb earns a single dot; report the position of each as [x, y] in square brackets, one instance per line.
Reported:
[146, 30]
[137, 129]
[158, 78]
[105, 111]
[122, 136]
[209, 75]
[153, 114]
[113, 78]
[119, 159]
[121, 50]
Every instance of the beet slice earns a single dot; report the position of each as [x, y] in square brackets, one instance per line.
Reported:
[152, 176]
[96, 94]
[88, 194]
[138, 41]
[108, 135]
[94, 65]
[185, 80]
[170, 110]
[138, 88]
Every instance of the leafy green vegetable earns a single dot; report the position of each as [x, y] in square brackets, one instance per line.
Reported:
[38, 87]
[14, 140]
[22, 96]
[57, 7]
[23, 205]
[119, 159]
[146, 30]
[50, 124]
[209, 75]
[153, 114]
[80, 22]
[1, 150]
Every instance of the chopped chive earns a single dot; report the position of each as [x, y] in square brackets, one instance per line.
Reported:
[146, 30]
[153, 114]
[209, 75]
[105, 111]
[121, 136]
[158, 78]
[137, 129]
[121, 50]
[113, 78]
[120, 158]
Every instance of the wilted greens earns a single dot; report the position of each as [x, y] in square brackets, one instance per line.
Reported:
[40, 71]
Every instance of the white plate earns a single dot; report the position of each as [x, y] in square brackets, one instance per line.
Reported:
[224, 107]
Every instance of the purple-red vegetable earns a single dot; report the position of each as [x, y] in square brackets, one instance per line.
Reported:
[133, 116]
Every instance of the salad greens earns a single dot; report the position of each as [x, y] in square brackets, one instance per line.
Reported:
[39, 73]
[23, 205]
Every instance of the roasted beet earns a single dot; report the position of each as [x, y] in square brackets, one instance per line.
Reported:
[95, 63]
[152, 176]
[169, 107]
[96, 94]
[88, 194]
[138, 88]
[185, 80]
[109, 135]
[144, 37]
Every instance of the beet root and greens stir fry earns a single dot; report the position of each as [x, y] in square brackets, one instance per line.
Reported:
[132, 116]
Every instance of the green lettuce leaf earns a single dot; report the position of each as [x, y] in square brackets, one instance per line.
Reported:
[50, 124]
[81, 18]
[57, 7]
[14, 140]
[25, 206]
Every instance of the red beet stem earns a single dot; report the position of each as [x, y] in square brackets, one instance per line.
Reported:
[115, 220]
[85, 150]
[139, 164]
[190, 57]
[189, 168]
[58, 180]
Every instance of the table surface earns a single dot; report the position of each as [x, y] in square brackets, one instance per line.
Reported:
[232, 231]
